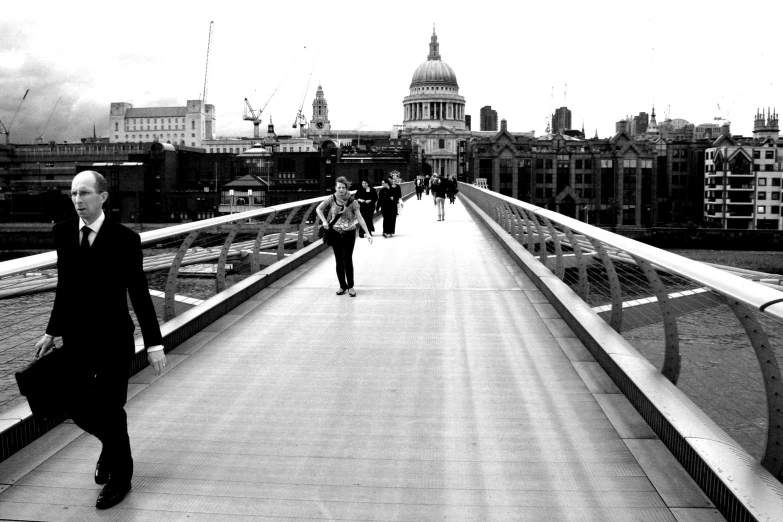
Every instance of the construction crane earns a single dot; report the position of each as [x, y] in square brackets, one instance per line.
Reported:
[255, 116]
[7, 130]
[39, 139]
[300, 119]
[206, 67]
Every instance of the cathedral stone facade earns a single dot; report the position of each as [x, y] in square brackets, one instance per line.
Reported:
[434, 113]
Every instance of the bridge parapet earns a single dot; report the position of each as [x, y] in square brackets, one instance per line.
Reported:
[590, 272]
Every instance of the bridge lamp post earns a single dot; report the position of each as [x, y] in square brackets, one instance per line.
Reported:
[231, 201]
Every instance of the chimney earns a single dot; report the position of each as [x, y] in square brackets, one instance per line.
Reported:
[724, 130]
[503, 125]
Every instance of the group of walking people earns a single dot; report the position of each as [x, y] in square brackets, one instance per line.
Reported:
[441, 188]
[343, 212]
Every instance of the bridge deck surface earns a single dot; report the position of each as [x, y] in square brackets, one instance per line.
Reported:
[449, 389]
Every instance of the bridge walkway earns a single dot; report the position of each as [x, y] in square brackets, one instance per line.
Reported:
[449, 389]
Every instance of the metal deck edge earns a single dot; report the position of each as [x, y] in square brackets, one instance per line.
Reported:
[743, 490]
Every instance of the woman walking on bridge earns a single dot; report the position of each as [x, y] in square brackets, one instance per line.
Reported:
[367, 198]
[343, 214]
[387, 204]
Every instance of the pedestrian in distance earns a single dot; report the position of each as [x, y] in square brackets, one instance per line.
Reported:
[99, 264]
[439, 190]
[397, 192]
[434, 181]
[419, 187]
[343, 210]
[427, 180]
[387, 204]
[368, 199]
[452, 189]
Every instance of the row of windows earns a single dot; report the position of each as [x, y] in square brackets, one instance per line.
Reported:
[773, 209]
[762, 182]
[419, 90]
[140, 121]
[549, 193]
[775, 196]
[154, 136]
[154, 127]
[768, 167]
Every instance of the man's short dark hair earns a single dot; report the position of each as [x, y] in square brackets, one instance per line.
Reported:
[101, 185]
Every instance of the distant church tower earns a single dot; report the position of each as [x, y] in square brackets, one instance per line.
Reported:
[766, 125]
[320, 122]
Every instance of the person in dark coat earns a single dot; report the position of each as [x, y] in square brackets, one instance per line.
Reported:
[368, 199]
[419, 187]
[451, 190]
[387, 204]
[397, 191]
[99, 264]
[439, 188]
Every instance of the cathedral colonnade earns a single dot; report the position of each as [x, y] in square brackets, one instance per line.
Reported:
[434, 110]
[443, 166]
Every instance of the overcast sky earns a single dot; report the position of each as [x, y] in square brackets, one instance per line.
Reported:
[604, 60]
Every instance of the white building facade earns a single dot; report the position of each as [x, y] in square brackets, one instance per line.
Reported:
[190, 125]
[743, 184]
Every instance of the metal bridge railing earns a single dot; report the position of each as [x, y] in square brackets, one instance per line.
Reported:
[662, 303]
[185, 265]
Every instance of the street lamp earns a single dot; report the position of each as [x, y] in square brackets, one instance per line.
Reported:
[231, 201]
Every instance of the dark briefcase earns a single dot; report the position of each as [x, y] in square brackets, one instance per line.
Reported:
[44, 384]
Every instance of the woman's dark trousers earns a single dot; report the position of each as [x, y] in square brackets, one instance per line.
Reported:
[389, 220]
[367, 214]
[343, 256]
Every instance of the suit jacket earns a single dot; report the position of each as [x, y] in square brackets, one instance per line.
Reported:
[91, 303]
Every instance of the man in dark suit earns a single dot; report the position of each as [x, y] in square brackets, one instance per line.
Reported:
[99, 263]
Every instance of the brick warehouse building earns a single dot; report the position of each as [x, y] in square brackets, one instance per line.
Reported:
[614, 181]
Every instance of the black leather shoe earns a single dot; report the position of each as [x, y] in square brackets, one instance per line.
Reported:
[101, 473]
[112, 494]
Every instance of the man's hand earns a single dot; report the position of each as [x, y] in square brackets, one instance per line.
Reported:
[44, 346]
[157, 360]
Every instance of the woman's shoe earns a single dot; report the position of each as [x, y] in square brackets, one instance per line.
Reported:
[352, 292]
[341, 291]
[385, 234]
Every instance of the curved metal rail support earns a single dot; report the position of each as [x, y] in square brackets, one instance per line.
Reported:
[255, 261]
[283, 232]
[519, 224]
[672, 358]
[773, 385]
[220, 276]
[531, 237]
[506, 216]
[171, 281]
[300, 237]
[542, 253]
[616, 319]
[583, 287]
[559, 264]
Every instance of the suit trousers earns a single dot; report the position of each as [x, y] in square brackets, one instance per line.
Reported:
[98, 400]
[343, 255]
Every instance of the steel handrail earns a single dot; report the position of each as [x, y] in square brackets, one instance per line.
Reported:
[753, 295]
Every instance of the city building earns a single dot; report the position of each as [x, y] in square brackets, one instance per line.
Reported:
[616, 181]
[742, 182]
[190, 125]
[488, 119]
[561, 120]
